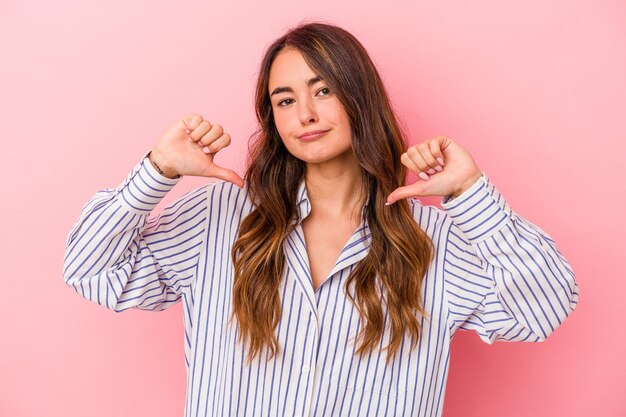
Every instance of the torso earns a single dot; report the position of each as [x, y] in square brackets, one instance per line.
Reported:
[325, 239]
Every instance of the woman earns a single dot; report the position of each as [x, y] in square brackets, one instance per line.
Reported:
[320, 285]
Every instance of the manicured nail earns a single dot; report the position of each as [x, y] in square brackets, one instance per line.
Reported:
[206, 149]
[423, 176]
[431, 171]
[187, 131]
[438, 168]
[440, 160]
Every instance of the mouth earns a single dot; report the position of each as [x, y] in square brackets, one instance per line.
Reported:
[309, 136]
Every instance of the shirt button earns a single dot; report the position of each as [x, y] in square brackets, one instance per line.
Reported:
[305, 369]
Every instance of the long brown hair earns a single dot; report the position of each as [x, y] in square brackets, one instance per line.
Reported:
[400, 252]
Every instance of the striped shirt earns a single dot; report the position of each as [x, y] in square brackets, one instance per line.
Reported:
[493, 272]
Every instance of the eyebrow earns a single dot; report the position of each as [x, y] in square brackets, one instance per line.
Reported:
[309, 83]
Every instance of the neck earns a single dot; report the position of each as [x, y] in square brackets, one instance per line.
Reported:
[335, 187]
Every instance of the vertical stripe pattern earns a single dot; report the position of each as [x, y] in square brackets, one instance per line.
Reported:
[493, 272]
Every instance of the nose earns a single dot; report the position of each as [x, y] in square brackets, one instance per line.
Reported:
[307, 112]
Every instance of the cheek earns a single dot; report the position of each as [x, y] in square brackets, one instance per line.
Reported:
[282, 124]
[344, 122]
[339, 115]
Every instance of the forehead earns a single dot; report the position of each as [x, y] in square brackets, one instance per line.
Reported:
[289, 69]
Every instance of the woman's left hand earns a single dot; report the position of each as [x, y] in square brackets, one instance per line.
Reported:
[443, 167]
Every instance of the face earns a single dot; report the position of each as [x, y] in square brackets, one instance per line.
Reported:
[310, 119]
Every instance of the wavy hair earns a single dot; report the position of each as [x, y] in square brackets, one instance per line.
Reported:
[400, 252]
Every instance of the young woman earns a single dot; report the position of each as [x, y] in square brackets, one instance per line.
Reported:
[319, 286]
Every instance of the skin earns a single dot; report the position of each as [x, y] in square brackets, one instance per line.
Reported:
[332, 171]
[452, 169]
[188, 148]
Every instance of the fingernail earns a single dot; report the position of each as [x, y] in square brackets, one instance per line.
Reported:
[206, 149]
[440, 160]
[438, 168]
[431, 171]
[387, 203]
[423, 176]
[187, 131]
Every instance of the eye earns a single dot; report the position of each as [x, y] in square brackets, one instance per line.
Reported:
[326, 91]
[280, 103]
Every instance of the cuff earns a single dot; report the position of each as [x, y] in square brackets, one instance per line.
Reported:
[480, 211]
[144, 187]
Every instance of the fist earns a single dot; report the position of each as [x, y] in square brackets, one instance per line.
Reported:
[442, 166]
[188, 148]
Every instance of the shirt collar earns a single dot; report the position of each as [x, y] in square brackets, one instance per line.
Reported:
[303, 205]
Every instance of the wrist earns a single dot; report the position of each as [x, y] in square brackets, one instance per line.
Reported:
[161, 167]
[467, 184]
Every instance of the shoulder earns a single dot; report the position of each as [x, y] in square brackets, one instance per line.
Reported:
[429, 218]
[227, 196]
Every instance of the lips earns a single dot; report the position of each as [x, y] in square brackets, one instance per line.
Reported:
[312, 135]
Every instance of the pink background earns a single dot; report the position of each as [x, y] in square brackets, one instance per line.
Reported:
[536, 93]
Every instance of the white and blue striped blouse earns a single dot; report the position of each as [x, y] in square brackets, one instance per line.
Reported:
[493, 272]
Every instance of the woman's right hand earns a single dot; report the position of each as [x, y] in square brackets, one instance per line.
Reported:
[188, 148]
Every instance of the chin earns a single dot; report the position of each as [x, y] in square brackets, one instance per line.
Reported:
[321, 156]
[320, 151]
[312, 159]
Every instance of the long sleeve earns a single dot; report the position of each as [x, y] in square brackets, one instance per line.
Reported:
[504, 276]
[119, 258]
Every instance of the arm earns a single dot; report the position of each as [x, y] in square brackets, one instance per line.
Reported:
[115, 256]
[504, 276]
